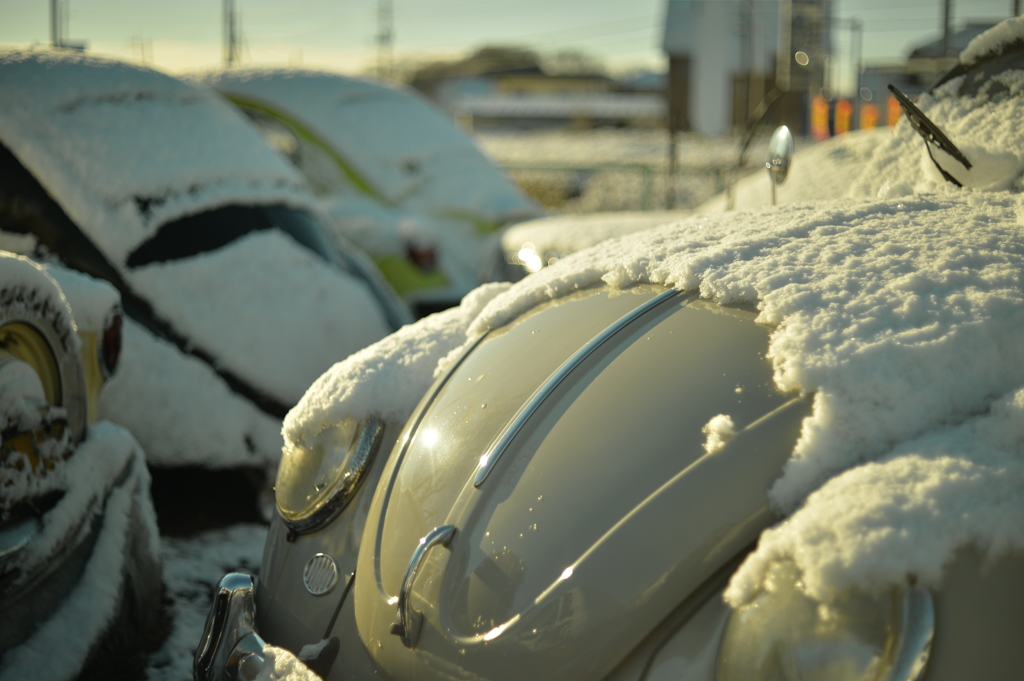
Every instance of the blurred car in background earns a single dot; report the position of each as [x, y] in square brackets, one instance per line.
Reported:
[780, 444]
[79, 549]
[235, 296]
[395, 174]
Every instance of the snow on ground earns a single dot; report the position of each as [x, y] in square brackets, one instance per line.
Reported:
[192, 568]
[596, 184]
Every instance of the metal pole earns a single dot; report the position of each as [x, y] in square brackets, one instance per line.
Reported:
[55, 23]
[947, 11]
[857, 26]
[670, 192]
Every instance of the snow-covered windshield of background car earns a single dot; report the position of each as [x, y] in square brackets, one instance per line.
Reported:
[216, 228]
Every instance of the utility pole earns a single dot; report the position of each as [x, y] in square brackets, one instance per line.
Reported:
[385, 37]
[947, 14]
[55, 32]
[232, 50]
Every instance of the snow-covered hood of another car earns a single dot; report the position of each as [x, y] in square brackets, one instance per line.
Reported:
[124, 148]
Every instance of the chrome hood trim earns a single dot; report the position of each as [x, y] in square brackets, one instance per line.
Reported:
[603, 512]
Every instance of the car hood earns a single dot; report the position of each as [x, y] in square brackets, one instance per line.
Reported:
[639, 476]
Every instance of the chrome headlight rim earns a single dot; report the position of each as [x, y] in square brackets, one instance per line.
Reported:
[345, 486]
[904, 658]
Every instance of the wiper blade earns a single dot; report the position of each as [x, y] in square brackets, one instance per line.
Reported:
[931, 134]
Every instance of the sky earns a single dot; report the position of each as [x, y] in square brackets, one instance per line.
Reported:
[340, 34]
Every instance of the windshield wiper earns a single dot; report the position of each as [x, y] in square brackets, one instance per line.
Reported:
[931, 134]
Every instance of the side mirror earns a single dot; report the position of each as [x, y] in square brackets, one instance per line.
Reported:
[780, 155]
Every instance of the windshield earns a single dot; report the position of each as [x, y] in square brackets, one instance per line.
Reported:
[213, 229]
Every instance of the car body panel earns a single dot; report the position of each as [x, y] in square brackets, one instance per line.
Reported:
[522, 579]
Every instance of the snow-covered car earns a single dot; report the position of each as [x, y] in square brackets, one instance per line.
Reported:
[777, 444]
[236, 297]
[79, 549]
[396, 175]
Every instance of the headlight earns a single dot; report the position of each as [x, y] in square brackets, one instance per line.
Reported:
[784, 635]
[317, 479]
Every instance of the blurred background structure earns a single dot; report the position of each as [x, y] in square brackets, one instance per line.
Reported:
[698, 70]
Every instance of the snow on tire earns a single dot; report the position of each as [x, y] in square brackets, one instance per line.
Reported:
[43, 407]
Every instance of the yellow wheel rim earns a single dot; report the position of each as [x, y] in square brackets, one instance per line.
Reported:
[23, 342]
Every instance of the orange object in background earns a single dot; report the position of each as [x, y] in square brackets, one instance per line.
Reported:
[819, 118]
[844, 116]
[892, 111]
[869, 115]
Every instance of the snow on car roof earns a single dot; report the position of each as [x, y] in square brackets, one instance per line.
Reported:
[124, 148]
[404, 147]
[902, 316]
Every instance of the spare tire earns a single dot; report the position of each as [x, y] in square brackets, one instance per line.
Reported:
[43, 400]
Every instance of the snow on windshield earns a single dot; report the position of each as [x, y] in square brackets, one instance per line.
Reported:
[137, 147]
[902, 316]
[985, 127]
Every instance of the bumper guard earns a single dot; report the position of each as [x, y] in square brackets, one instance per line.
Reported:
[230, 649]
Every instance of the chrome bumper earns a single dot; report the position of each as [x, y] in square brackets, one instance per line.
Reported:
[230, 649]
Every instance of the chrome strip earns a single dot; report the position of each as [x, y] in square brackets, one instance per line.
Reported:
[915, 644]
[499, 445]
[408, 624]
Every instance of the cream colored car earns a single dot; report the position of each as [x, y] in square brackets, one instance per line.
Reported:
[779, 445]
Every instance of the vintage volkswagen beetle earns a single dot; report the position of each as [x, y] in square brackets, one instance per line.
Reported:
[589, 488]
[235, 296]
[79, 552]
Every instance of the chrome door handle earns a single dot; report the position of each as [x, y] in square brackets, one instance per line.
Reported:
[409, 620]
